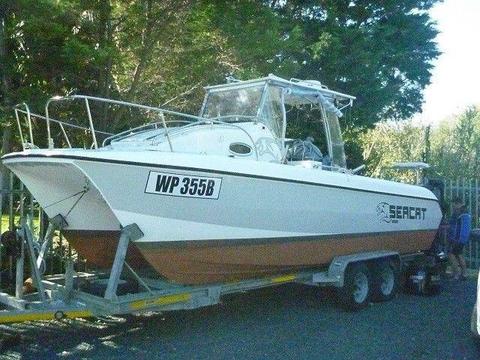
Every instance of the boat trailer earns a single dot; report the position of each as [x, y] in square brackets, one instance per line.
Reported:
[82, 295]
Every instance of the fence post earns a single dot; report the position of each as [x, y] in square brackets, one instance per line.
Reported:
[451, 197]
[11, 220]
[41, 230]
[470, 245]
[31, 212]
[475, 197]
[1, 220]
[475, 222]
[22, 201]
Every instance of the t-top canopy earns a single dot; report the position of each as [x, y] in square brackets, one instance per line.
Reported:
[297, 92]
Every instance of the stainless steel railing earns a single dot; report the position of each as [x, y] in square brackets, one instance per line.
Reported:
[186, 119]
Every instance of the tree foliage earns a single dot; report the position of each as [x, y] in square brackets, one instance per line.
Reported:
[150, 51]
[379, 51]
[389, 143]
[456, 146]
[453, 147]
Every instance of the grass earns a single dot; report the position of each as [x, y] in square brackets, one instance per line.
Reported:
[5, 223]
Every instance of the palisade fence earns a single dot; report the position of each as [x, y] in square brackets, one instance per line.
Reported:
[468, 190]
[18, 205]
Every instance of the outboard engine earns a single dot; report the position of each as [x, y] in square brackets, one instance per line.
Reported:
[436, 186]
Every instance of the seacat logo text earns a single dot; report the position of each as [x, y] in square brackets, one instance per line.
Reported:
[394, 213]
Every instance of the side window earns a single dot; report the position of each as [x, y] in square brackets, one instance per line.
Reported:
[305, 121]
[271, 114]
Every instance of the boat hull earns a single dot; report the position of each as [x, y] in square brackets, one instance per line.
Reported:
[99, 247]
[194, 263]
[261, 218]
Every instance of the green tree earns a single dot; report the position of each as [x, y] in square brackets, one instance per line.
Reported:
[456, 145]
[379, 51]
[389, 143]
[150, 51]
[453, 146]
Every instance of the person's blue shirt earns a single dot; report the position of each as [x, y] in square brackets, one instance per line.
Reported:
[460, 227]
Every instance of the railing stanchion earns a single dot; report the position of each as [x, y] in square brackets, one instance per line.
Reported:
[47, 117]
[90, 120]
[29, 119]
[20, 129]
[166, 131]
[11, 214]
[65, 135]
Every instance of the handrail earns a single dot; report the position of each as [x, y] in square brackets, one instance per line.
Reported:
[139, 106]
[188, 124]
[29, 122]
[166, 131]
[134, 130]
[66, 137]
[108, 101]
[18, 122]
[64, 123]
[252, 117]
[193, 120]
[90, 121]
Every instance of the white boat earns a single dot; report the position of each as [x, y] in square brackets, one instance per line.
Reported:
[226, 196]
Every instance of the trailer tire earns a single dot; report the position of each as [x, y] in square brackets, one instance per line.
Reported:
[355, 293]
[59, 315]
[385, 280]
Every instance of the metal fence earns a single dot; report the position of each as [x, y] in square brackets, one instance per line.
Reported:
[17, 205]
[468, 190]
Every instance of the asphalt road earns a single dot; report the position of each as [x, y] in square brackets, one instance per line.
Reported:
[288, 322]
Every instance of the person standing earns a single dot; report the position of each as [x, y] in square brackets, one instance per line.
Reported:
[459, 234]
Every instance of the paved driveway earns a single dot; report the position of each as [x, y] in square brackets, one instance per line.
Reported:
[288, 322]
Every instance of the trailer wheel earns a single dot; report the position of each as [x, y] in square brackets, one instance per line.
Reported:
[355, 293]
[59, 315]
[385, 280]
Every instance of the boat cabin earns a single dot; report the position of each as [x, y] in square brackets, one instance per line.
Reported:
[240, 119]
[272, 102]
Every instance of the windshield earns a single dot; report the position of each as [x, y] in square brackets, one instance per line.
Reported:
[304, 112]
[228, 105]
[243, 104]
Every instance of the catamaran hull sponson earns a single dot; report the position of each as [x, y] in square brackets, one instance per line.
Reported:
[62, 188]
[248, 219]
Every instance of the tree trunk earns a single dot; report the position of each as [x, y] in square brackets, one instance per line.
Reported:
[106, 43]
[4, 104]
[4, 96]
[4, 172]
[147, 48]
